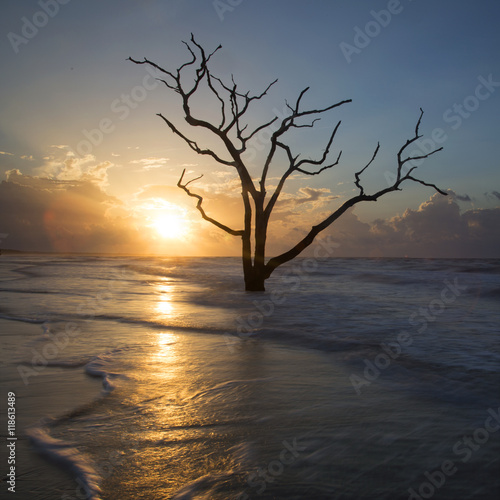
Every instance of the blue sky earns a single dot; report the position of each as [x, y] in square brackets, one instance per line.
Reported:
[63, 79]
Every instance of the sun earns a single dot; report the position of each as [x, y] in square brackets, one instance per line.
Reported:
[169, 225]
[164, 219]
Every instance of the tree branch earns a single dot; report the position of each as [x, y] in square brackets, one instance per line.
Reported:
[310, 236]
[326, 167]
[426, 184]
[315, 230]
[289, 122]
[201, 72]
[258, 129]
[323, 157]
[238, 112]
[294, 166]
[200, 208]
[193, 145]
[357, 174]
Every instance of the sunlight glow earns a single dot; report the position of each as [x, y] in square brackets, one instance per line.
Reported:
[169, 225]
[168, 221]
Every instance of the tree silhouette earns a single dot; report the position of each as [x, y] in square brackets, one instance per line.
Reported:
[234, 137]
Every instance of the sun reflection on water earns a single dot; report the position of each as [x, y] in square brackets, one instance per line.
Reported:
[169, 304]
[164, 307]
[166, 344]
[163, 367]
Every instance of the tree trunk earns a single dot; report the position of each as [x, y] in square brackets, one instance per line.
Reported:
[253, 274]
[254, 280]
[257, 279]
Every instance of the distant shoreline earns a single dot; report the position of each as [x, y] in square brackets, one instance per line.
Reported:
[10, 251]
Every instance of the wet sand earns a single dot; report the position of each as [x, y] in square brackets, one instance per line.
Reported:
[191, 417]
[42, 394]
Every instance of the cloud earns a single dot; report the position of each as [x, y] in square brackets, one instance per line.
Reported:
[150, 163]
[496, 194]
[215, 185]
[290, 207]
[63, 165]
[172, 194]
[222, 174]
[312, 195]
[436, 229]
[459, 197]
[77, 215]
[43, 214]
[5, 153]
[73, 213]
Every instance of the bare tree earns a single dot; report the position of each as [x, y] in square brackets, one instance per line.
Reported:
[234, 138]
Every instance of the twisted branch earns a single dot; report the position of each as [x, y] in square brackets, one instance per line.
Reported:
[200, 208]
[315, 230]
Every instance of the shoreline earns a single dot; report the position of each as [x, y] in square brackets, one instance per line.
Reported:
[49, 464]
[46, 397]
[20, 253]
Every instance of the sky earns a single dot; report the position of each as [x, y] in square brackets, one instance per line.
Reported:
[86, 165]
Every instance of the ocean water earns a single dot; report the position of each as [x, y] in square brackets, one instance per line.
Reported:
[156, 378]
